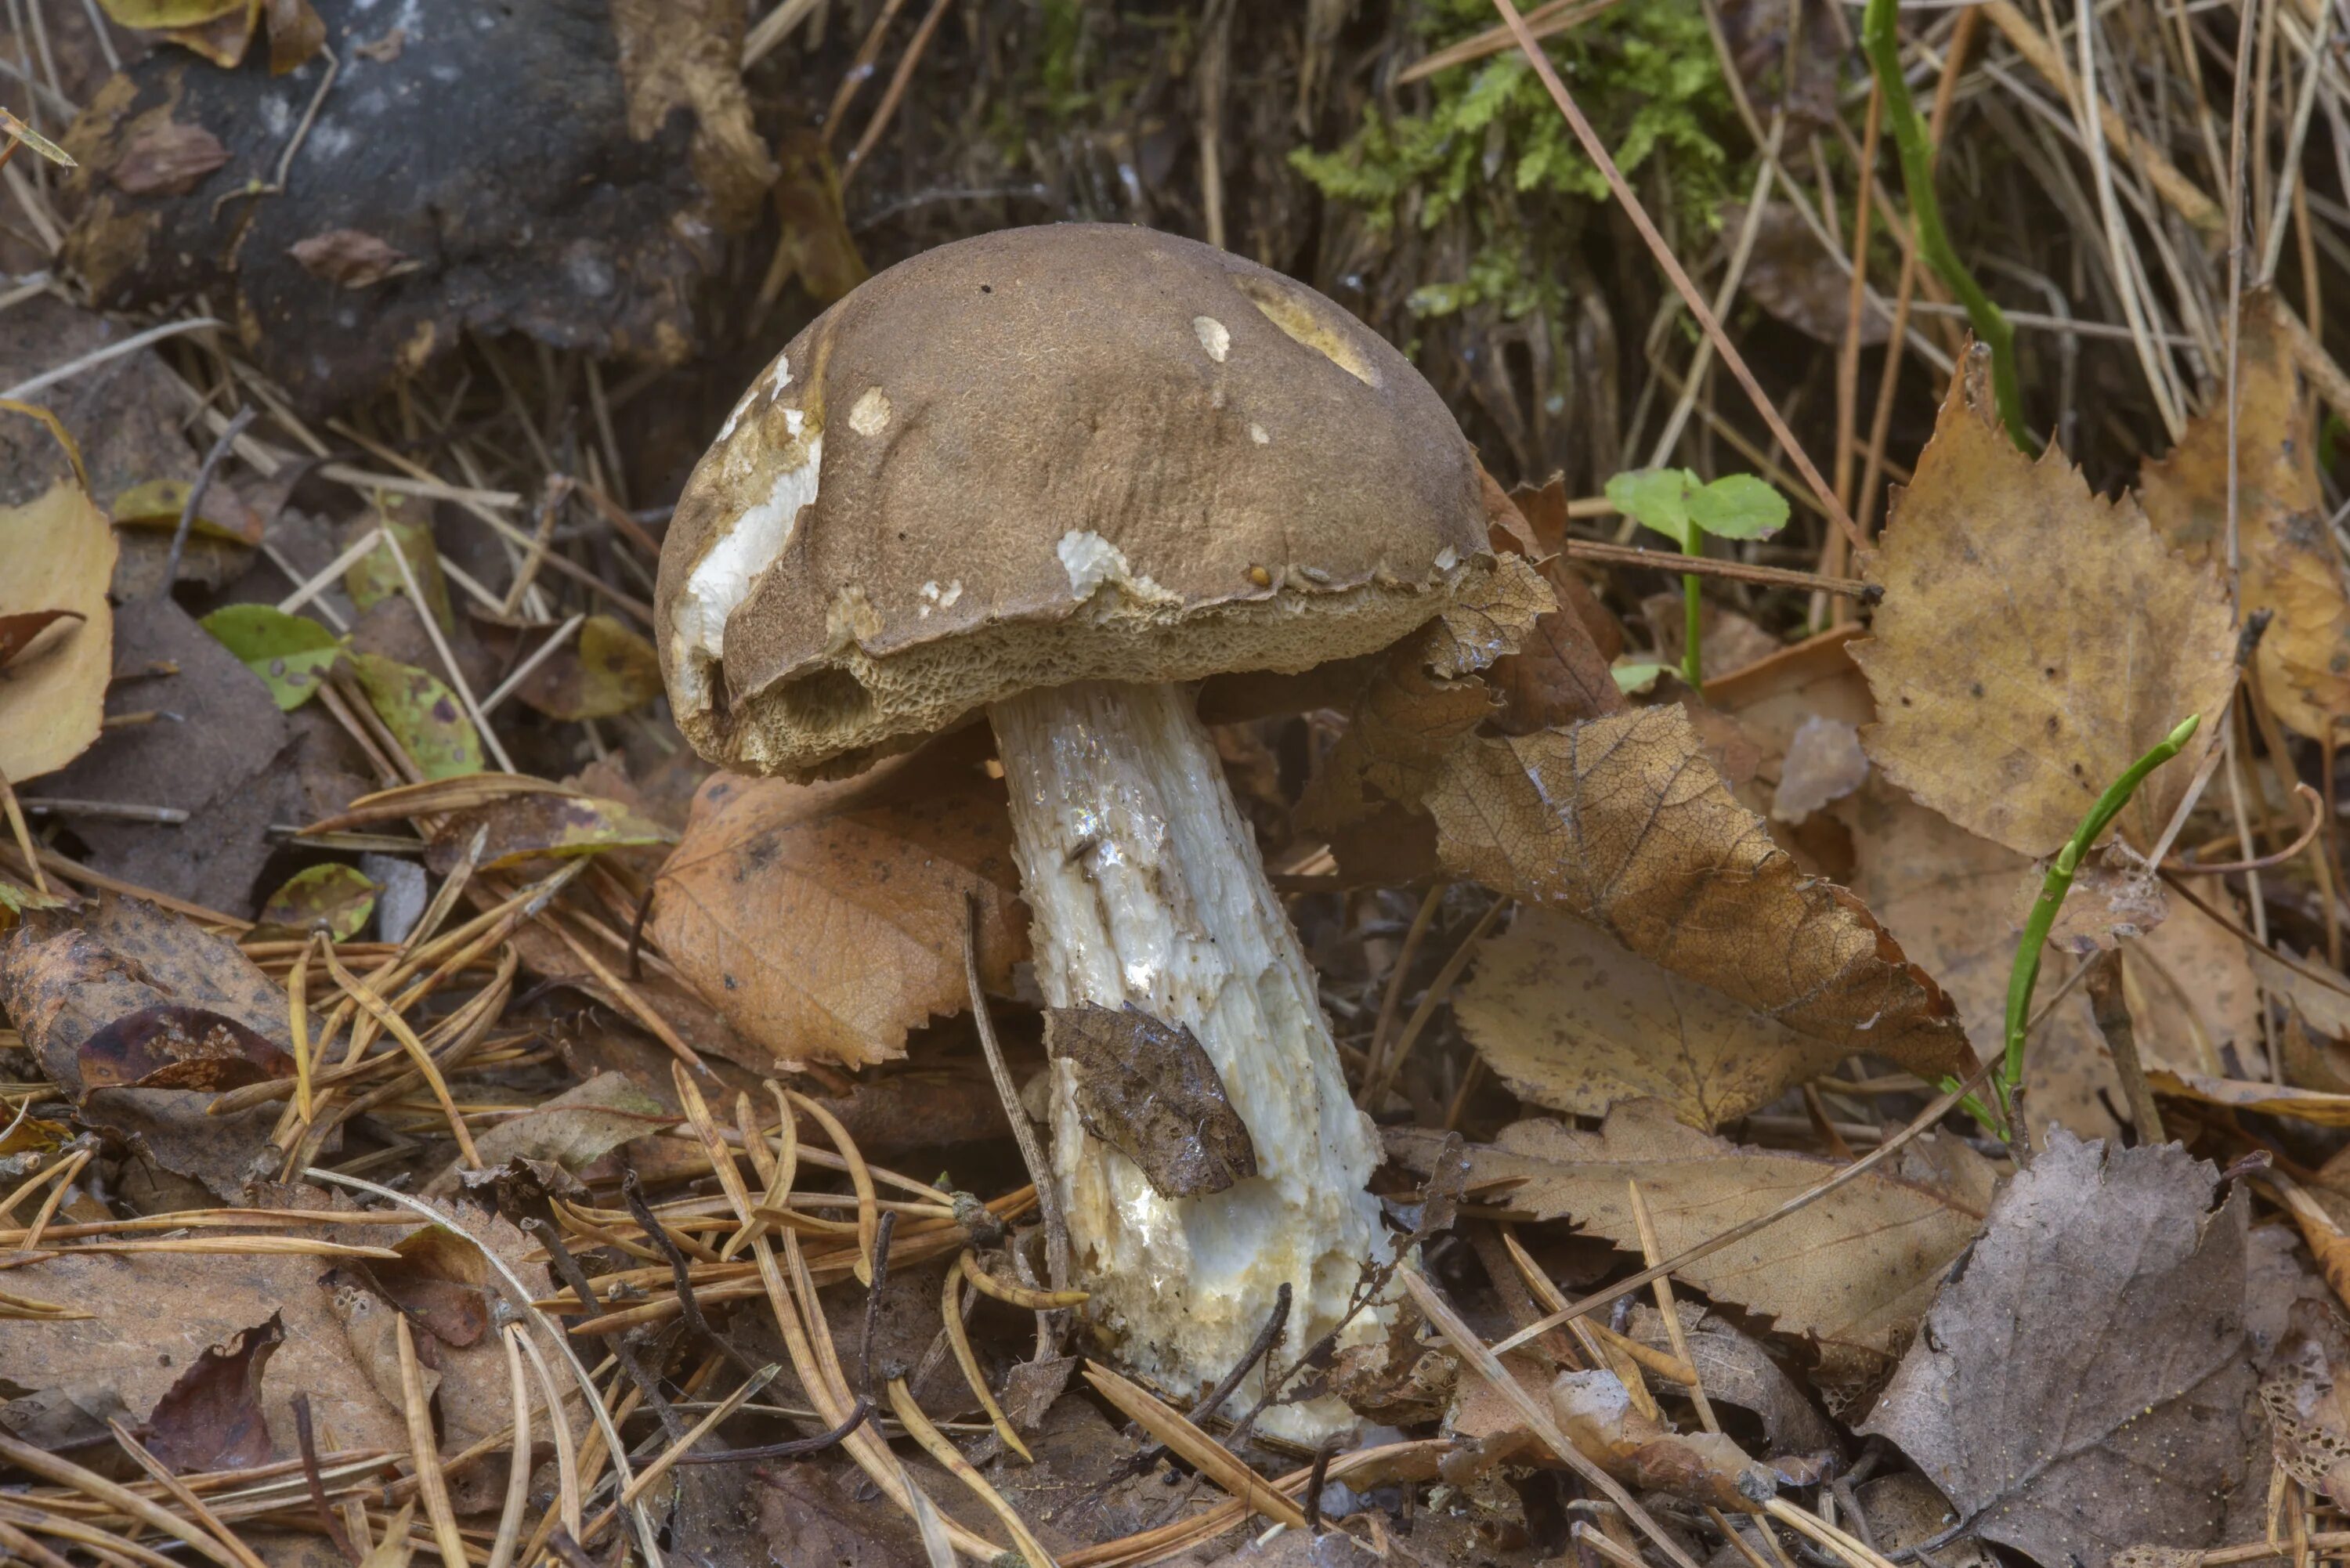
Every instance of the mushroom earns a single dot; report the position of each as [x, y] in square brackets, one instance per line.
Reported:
[1051, 476]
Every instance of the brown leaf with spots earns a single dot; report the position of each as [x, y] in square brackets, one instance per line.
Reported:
[1571, 1021]
[826, 920]
[2306, 1395]
[2036, 639]
[1852, 1272]
[2291, 565]
[173, 1047]
[2081, 1384]
[1150, 1092]
[1623, 822]
[523, 828]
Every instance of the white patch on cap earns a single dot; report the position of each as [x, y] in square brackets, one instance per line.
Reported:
[870, 416]
[1447, 558]
[935, 598]
[722, 578]
[1256, 435]
[781, 377]
[1214, 337]
[1093, 562]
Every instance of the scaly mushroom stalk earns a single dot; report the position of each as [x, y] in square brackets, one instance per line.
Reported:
[1147, 888]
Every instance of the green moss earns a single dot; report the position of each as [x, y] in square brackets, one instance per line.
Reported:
[1493, 150]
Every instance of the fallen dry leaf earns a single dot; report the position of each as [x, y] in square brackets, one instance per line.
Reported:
[2082, 1385]
[1824, 763]
[1151, 1091]
[1622, 822]
[1852, 1272]
[573, 1130]
[608, 671]
[351, 257]
[212, 1418]
[2291, 565]
[2036, 639]
[522, 827]
[826, 920]
[1736, 1369]
[1950, 899]
[165, 158]
[2307, 1394]
[1596, 1414]
[1570, 1020]
[60, 552]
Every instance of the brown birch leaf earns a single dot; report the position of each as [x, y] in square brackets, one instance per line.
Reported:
[2036, 639]
[2290, 564]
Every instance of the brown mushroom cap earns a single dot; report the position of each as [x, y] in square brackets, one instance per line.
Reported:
[1083, 452]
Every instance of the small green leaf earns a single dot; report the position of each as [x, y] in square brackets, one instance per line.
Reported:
[334, 898]
[1635, 675]
[1738, 506]
[422, 715]
[1655, 498]
[168, 12]
[291, 653]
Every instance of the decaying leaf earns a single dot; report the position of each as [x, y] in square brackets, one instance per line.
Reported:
[1824, 763]
[523, 828]
[212, 1418]
[376, 577]
[169, 1046]
[573, 1130]
[62, 983]
[1597, 1416]
[291, 653]
[159, 503]
[1150, 1092]
[335, 898]
[422, 714]
[826, 920]
[441, 1282]
[1737, 1370]
[1623, 822]
[1852, 1272]
[351, 257]
[2035, 640]
[1572, 1021]
[2307, 1394]
[2291, 565]
[611, 670]
[60, 553]
[2081, 1384]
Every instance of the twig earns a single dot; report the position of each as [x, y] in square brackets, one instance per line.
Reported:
[881, 1237]
[2111, 1010]
[895, 93]
[204, 480]
[1031, 1154]
[1314, 1482]
[1924, 1120]
[1596, 151]
[2316, 824]
[568, 1270]
[316, 1484]
[632, 1192]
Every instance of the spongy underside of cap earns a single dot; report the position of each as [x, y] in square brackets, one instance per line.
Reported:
[840, 717]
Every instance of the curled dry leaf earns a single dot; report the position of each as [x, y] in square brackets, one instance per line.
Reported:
[1622, 822]
[21, 635]
[166, 158]
[826, 920]
[1572, 1021]
[1852, 1272]
[2291, 565]
[60, 553]
[2035, 640]
[1596, 1414]
[212, 1418]
[573, 1130]
[2069, 1423]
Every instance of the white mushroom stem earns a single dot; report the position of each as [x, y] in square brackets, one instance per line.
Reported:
[1146, 887]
